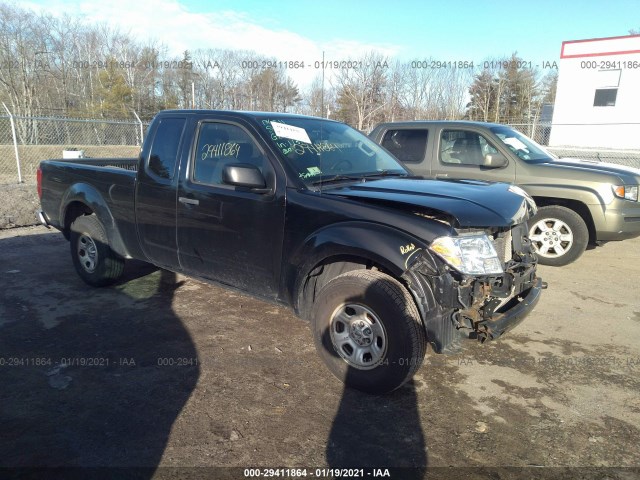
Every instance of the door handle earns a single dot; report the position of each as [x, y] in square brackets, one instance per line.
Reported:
[442, 175]
[188, 201]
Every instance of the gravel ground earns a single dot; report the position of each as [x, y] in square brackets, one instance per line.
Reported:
[185, 379]
[18, 205]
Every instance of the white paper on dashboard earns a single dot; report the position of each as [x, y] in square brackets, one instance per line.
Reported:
[515, 143]
[289, 131]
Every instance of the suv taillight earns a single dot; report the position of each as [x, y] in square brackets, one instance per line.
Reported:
[39, 179]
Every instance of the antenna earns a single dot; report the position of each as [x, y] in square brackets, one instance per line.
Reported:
[320, 154]
[322, 89]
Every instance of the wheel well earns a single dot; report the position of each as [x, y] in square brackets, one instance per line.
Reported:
[325, 271]
[575, 205]
[74, 210]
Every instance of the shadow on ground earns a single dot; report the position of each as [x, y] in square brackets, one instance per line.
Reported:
[88, 384]
[377, 431]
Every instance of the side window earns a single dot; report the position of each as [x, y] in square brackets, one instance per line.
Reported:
[464, 147]
[164, 150]
[406, 145]
[221, 144]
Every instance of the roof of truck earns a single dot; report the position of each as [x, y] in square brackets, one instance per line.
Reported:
[242, 113]
[416, 123]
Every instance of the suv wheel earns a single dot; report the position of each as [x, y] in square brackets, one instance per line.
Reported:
[558, 234]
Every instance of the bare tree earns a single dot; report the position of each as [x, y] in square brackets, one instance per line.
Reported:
[68, 66]
[318, 100]
[19, 42]
[396, 85]
[360, 88]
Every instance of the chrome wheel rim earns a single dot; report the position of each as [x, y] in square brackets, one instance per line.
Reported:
[551, 237]
[87, 253]
[358, 335]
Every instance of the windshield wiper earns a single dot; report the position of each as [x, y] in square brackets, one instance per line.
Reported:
[385, 173]
[337, 178]
[358, 178]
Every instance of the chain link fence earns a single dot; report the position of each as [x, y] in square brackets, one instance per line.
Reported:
[25, 141]
[40, 138]
[540, 132]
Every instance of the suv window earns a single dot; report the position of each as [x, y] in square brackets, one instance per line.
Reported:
[221, 144]
[464, 147]
[406, 145]
[164, 150]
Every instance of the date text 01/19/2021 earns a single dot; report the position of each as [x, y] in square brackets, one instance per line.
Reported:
[317, 472]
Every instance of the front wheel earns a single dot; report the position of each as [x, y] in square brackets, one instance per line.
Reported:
[93, 259]
[368, 331]
[558, 234]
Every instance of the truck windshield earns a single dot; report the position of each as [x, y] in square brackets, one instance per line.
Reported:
[321, 151]
[521, 145]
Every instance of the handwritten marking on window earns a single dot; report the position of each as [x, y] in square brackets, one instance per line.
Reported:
[308, 148]
[226, 149]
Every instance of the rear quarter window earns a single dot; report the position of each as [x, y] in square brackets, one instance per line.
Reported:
[164, 149]
[406, 145]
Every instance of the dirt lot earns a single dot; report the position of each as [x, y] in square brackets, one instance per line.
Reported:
[19, 204]
[167, 371]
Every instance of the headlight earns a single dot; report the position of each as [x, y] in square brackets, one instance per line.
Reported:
[471, 254]
[627, 192]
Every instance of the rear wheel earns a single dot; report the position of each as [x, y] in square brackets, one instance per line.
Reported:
[368, 331]
[558, 234]
[93, 259]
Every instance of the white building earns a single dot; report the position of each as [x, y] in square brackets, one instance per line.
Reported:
[598, 96]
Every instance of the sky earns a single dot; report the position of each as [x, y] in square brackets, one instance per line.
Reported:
[345, 29]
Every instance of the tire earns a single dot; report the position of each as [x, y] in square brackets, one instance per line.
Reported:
[369, 312]
[558, 234]
[93, 259]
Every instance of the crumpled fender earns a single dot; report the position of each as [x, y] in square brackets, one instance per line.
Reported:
[383, 245]
[390, 248]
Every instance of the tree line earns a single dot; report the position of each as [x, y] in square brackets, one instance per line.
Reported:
[64, 66]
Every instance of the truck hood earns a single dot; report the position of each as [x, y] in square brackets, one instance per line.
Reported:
[626, 175]
[468, 203]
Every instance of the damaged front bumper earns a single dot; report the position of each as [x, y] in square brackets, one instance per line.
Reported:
[514, 312]
[456, 306]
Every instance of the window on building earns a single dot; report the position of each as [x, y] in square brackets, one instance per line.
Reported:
[605, 97]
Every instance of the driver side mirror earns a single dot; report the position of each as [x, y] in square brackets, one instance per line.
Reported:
[244, 175]
[495, 160]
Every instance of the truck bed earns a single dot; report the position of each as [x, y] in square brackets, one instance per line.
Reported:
[111, 179]
[122, 163]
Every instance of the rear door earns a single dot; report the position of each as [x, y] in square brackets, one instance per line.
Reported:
[226, 233]
[156, 191]
[459, 153]
[410, 146]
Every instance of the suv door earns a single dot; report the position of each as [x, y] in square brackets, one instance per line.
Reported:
[409, 145]
[461, 153]
[230, 234]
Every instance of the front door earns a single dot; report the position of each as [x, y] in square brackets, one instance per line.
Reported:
[226, 233]
[460, 154]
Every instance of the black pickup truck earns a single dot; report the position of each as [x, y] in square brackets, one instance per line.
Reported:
[312, 214]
